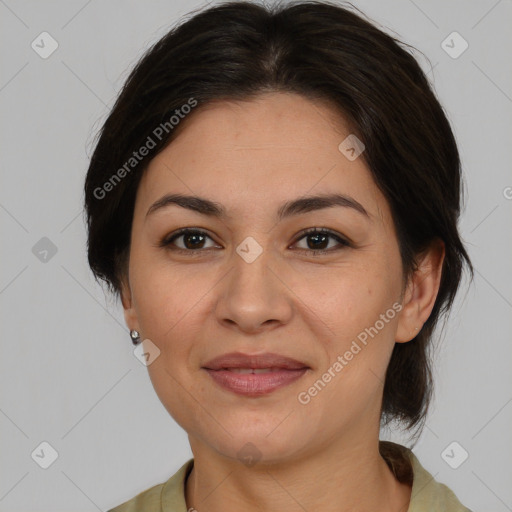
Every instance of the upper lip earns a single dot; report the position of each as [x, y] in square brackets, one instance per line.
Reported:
[240, 360]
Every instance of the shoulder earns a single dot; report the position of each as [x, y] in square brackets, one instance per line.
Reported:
[427, 493]
[170, 493]
[149, 500]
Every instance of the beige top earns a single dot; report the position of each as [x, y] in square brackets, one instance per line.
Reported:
[427, 494]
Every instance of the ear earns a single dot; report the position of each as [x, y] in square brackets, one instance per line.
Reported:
[130, 316]
[421, 292]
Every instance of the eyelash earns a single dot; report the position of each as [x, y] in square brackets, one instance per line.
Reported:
[168, 240]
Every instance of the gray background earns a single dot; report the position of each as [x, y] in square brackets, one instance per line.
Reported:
[68, 374]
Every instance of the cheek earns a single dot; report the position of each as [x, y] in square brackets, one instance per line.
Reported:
[355, 327]
[174, 305]
[346, 298]
[166, 295]
[169, 305]
[358, 309]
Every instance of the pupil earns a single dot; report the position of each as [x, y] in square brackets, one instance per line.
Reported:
[317, 237]
[189, 237]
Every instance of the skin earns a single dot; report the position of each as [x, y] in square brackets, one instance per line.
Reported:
[251, 157]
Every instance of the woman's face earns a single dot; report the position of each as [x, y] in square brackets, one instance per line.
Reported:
[255, 283]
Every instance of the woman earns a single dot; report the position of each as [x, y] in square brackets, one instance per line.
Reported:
[274, 197]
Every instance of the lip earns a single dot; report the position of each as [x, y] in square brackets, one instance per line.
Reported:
[284, 371]
[257, 361]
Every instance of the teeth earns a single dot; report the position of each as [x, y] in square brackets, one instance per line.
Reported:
[252, 370]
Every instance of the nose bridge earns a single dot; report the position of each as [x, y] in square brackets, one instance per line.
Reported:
[253, 295]
[251, 269]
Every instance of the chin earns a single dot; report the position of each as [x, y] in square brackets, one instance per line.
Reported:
[256, 446]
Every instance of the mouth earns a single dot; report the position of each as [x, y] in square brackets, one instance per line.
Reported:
[254, 375]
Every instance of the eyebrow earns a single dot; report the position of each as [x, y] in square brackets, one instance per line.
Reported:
[295, 207]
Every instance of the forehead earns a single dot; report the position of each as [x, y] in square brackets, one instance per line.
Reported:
[276, 147]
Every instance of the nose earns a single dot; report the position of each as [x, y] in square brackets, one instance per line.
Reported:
[254, 297]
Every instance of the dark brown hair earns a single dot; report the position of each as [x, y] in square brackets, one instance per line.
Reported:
[239, 50]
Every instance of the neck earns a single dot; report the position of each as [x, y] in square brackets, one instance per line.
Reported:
[342, 477]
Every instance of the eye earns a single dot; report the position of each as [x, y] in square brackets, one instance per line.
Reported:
[191, 240]
[318, 239]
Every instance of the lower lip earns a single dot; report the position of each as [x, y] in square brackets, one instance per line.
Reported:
[255, 384]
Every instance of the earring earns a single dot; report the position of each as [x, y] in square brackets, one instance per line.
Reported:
[135, 336]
